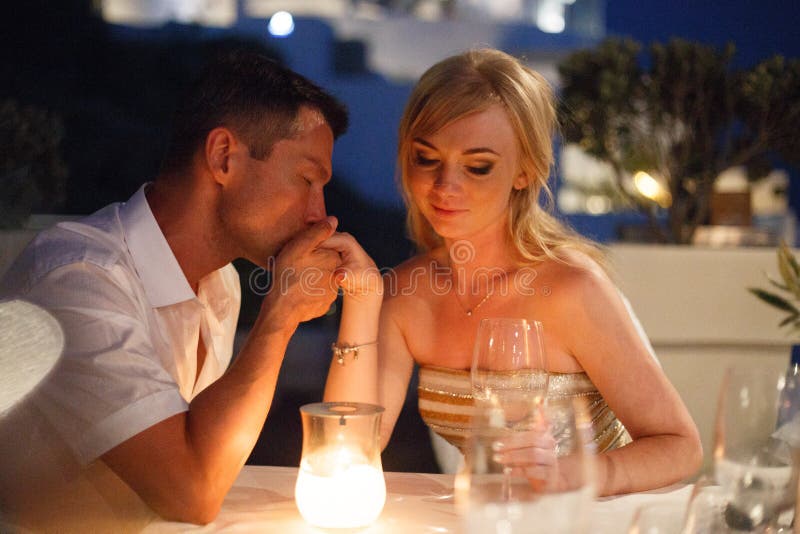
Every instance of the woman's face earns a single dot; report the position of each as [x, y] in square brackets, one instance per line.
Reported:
[461, 177]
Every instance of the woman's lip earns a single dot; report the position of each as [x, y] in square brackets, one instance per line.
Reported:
[446, 212]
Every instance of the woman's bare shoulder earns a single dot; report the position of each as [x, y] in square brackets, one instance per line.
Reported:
[573, 265]
[574, 278]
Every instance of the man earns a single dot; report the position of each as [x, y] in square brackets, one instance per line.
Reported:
[141, 408]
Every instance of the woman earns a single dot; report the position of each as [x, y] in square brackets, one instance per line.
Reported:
[475, 152]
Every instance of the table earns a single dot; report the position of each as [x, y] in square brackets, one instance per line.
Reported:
[262, 500]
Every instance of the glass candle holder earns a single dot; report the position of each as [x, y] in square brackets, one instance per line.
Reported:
[340, 483]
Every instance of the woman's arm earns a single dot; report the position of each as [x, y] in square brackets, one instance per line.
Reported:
[395, 367]
[354, 376]
[382, 369]
[603, 338]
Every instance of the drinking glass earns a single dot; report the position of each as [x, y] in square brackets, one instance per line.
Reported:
[548, 488]
[508, 370]
[509, 376]
[756, 453]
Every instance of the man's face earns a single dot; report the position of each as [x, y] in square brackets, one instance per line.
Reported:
[269, 201]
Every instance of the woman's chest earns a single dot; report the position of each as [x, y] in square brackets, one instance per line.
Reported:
[441, 333]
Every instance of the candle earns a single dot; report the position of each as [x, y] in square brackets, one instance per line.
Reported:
[338, 488]
[340, 482]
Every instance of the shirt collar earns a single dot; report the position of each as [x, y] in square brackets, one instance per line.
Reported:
[161, 275]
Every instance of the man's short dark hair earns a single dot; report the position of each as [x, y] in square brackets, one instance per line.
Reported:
[254, 96]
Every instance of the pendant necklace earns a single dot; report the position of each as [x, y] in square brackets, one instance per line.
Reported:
[470, 311]
[489, 293]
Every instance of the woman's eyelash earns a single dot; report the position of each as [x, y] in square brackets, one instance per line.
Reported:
[422, 160]
[480, 170]
[484, 169]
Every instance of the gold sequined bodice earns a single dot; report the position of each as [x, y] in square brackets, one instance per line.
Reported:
[446, 405]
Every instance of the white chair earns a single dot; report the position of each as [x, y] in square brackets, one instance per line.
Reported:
[31, 342]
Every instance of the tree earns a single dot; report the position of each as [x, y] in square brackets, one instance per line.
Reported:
[685, 119]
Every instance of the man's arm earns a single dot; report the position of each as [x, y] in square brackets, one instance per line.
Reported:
[183, 466]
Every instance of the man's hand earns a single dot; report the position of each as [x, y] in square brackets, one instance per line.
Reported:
[303, 286]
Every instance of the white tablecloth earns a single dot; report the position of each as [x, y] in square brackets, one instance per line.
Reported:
[262, 501]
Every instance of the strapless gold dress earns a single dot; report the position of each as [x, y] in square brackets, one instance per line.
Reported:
[446, 406]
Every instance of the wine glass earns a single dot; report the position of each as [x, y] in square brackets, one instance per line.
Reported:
[756, 451]
[508, 373]
[509, 378]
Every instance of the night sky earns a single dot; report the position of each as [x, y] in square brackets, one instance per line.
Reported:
[759, 28]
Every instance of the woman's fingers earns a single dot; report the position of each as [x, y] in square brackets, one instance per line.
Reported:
[532, 452]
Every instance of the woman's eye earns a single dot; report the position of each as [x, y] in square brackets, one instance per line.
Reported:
[480, 169]
[422, 161]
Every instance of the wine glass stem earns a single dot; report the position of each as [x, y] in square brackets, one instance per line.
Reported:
[506, 484]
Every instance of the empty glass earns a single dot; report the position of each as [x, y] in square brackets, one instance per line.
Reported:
[756, 454]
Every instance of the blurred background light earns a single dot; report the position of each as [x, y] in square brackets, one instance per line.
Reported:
[651, 188]
[598, 204]
[550, 16]
[281, 24]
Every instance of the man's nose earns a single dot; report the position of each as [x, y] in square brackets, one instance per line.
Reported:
[316, 208]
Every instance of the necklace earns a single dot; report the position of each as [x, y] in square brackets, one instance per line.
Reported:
[470, 311]
[489, 293]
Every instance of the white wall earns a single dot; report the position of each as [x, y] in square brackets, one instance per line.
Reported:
[694, 305]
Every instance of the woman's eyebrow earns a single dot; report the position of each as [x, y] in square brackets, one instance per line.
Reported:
[480, 150]
[424, 142]
[469, 151]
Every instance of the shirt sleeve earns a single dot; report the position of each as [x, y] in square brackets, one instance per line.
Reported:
[109, 384]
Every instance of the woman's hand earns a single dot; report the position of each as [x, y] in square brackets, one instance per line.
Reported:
[530, 453]
[357, 275]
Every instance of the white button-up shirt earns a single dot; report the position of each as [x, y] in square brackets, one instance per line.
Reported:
[131, 322]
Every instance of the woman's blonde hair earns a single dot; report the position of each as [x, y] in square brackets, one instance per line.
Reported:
[472, 82]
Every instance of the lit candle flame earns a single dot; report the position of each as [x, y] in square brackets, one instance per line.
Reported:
[337, 487]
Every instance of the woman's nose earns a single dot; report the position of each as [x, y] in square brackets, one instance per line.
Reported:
[448, 179]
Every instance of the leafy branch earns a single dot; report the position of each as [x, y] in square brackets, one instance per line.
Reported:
[789, 285]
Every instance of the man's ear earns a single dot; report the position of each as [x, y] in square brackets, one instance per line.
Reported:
[219, 149]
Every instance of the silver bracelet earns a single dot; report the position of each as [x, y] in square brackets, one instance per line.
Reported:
[340, 350]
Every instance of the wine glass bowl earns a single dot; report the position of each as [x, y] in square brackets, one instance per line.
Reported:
[508, 373]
